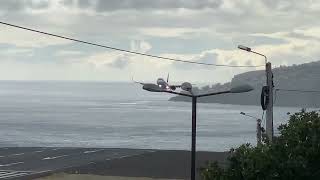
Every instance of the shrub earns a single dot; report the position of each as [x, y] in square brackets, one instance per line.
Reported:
[295, 154]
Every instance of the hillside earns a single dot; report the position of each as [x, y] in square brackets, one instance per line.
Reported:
[303, 77]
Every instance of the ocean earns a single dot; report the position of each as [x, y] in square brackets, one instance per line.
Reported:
[118, 115]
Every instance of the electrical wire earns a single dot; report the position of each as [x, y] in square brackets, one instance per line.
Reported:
[297, 90]
[292, 90]
[122, 50]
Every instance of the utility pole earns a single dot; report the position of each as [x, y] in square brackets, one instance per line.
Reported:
[259, 128]
[269, 110]
[259, 131]
[193, 137]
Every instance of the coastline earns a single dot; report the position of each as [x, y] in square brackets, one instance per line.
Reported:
[64, 162]
[169, 164]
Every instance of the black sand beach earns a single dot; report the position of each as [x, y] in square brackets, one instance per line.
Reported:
[35, 162]
[171, 164]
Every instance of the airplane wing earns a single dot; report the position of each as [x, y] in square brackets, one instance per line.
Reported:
[177, 86]
[138, 82]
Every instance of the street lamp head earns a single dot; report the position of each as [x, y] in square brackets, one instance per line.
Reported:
[248, 115]
[244, 48]
[241, 88]
[152, 87]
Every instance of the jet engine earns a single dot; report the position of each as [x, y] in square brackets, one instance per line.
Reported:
[186, 86]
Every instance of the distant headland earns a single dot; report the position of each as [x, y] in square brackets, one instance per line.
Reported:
[304, 77]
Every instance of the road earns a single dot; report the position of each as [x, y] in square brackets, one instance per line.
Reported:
[24, 162]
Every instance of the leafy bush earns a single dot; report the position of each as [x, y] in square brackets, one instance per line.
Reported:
[295, 154]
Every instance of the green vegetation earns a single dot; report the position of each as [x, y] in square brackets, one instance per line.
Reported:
[295, 154]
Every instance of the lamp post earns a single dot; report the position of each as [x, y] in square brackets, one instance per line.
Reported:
[269, 95]
[188, 87]
[259, 128]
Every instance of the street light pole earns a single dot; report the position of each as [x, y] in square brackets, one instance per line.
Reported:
[259, 128]
[193, 137]
[269, 110]
[156, 88]
[269, 84]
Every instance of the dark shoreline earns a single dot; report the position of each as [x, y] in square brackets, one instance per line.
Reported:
[171, 164]
[35, 162]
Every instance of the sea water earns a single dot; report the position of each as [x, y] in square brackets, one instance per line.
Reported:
[118, 115]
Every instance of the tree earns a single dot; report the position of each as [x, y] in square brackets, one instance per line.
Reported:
[295, 154]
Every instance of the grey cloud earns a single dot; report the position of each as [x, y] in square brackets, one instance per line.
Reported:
[301, 36]
[120, 62]
[67, 2]
[249, 63]
[299, 48]
[219, 20]
[13, 5]
[19, 5]
[84, 3]
[285, 5]
[294, 6]
[39, 4]
[112, 5]
[255, 40]
[207, 57]
[274, 4]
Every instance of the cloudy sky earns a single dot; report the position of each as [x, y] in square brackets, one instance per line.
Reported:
[287, 31]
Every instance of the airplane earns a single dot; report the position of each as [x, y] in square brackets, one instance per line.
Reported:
[163, 85]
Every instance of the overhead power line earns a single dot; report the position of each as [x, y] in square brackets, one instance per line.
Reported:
[293, 90]
[123, 50]
[297, 90]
